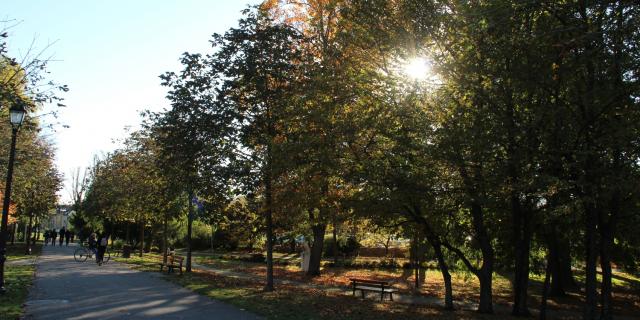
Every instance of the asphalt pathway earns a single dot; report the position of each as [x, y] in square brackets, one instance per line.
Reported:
[65, 289]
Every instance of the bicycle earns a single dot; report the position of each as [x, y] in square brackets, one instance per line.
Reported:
[81, 254]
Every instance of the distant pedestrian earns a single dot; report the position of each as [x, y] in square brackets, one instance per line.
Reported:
[46, 237]
[67, 237]
[63, 231]
[53, 235]
[102, 247]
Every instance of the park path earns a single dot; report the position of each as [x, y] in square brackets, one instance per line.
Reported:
[65, 289]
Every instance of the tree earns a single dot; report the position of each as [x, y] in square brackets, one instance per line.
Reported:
[257, 62]
[128, 186]
[195, 138]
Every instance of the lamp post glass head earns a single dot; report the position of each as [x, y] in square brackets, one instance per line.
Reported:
[16, 114]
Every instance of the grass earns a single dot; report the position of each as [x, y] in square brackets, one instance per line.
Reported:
[18, 278]
[295, 302]
[292, 302]
[16, 251]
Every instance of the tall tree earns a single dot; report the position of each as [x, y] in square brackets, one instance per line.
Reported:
[257, 61]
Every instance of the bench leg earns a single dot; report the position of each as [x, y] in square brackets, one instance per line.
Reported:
[362, 293]
[391, 296]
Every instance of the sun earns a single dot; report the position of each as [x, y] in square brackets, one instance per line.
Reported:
[418, 68]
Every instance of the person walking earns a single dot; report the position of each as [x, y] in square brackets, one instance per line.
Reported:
[53, 235]
[46, 237]
[63, 231]
[102, 248]
[67, 237]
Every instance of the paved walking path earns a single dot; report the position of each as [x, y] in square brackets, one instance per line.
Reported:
[65, 289]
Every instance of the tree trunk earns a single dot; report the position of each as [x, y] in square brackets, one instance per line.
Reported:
[213, 232]
[189, 231]
[485, 274]
[14, 228]
[437, 245]
[316, 249]
[446, 276]
[606, 243]
[128, 234]
[292, 245]
[545, 289]
[141, 237]
[591, 294]
[560, 263]
[269, 219]
[416, 264]
[164, 239]
[36, 225]
[27, 236]
[335, 243]
[269, 223]
[387, 244]
[486, 295]
[564, 264]
[522, 245]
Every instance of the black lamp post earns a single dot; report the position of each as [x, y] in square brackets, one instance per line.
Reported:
[16, 116]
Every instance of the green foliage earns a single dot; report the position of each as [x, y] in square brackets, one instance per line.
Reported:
[524, 145]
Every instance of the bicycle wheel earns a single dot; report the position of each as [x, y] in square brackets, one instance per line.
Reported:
[106, 257]
[80, 255]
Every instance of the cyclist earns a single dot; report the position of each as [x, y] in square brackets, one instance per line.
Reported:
[92, 245]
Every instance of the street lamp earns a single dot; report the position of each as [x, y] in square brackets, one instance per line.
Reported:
[16, 116]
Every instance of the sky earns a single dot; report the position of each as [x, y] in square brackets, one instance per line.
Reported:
[110, 54]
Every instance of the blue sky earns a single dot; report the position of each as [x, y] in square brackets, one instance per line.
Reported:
[110, 54]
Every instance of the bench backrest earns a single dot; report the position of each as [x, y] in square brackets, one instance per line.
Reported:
[369, 282]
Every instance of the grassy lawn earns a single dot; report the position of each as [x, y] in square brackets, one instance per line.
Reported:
[294, 302]
[291, 302]
[16, 251]
[17, 282]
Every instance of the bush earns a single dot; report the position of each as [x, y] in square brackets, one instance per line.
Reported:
[117, 244]
[350, 246]
[223, 239]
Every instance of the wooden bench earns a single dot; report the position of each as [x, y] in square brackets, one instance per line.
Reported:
[383, 287]
[172, 262]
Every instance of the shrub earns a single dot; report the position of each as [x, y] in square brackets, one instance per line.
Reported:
[350, 246]
[117, 244]
[223, 239]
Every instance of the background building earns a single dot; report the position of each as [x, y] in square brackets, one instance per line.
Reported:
[60, 218]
